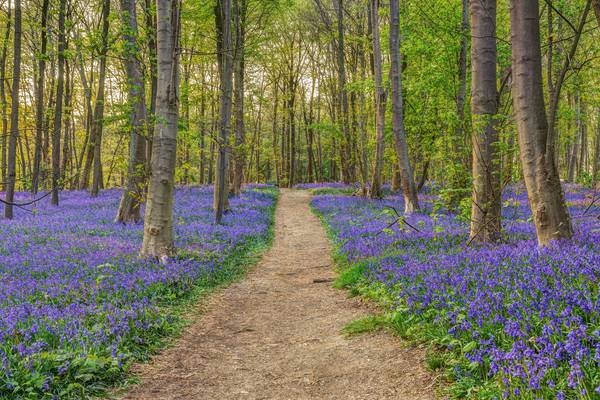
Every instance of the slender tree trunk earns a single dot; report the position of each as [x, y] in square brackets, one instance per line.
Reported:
[380, 101]
[133, 193]
[158, 221]
[486, 197]
[56, 131]
[596, 160]
[347, 156]
[224, 49]
[546, 199]
[574, 147]
[87, 151]
[557, 86]
[258, 136]
[14, 114]
[211, 164]
[238, 73]
[423, 176]
[67, 118]
[39, 102]
[462, 81]
[292, 135]
[202, 133]
[150, 21]
[275, 134]
[362, 126]
[3, 58]
[409, 189]
[582, 130]
[99, 107]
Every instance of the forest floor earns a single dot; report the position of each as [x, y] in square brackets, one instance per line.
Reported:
[278, 333]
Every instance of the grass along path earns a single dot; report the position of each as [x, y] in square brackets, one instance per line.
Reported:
[278, 334]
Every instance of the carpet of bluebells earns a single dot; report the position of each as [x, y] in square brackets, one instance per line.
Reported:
[515, 321]
[77, 305]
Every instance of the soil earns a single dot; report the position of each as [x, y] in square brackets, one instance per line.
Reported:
[278, 333]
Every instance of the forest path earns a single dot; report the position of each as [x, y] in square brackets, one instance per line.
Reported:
[277, 334]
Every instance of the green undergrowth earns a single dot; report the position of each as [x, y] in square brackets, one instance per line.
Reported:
[456, 377]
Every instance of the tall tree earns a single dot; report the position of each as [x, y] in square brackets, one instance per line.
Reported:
[150, 25]
[239, 13]
[407, 181]
[485, 210]
[348, 173]
[39, 99]
[14, 114]
[131, 199]
[56, 131]
[225, 57]
[546, 199]
[461, 96]
[99, 107]
[3, 102]
[380, 102]
[158, 221]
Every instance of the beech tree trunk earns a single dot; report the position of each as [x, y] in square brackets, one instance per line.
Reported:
[158, 219]
[3, 58]
[596, 159]
[380, 101]
[64, 160]
[56, 130]
[459, 139]
[348, 165]
[546, 199]
[132, 197]
[486, 197]
[362, 125]
[87, 154]
[407, 180]
[202, 134]
[14, 114]
[39, 100]
[224, 49]
[99, 107]
[150, 22]
[239, 72]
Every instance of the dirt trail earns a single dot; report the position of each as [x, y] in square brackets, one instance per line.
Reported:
[277, 334]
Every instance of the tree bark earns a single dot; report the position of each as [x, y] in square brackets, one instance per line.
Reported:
[133, 193]
[407, 180]
[14, 113]
[553, 104]
[87, 152]
[486, 197]
[459, 133]
[158, 219]
[380, 101]
[546, 199]
[3, 58]
[348, 165]
[150, 22]
[39, 100]
[596, 160]
[64, 161]
[99, 107]
[239, 72]
[56, 131]
[224, 49]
